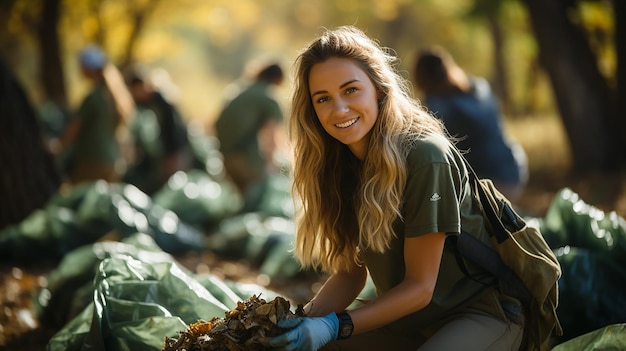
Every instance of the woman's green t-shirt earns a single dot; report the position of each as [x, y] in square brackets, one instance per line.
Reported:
[437, 198]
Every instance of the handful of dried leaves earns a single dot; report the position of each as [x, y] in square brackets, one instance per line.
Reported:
[248, 327]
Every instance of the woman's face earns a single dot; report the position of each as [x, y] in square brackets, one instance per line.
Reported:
[345, 101]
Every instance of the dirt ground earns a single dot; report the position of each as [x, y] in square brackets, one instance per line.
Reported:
[20, 331]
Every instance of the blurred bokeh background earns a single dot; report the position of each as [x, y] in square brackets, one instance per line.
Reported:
[558, 68]
[554, 65]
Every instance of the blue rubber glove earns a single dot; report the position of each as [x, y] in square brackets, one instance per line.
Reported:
[307, 333]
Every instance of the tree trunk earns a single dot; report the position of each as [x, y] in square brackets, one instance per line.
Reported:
[582, 94]
[50, 58]
[28, 178]
[619, 8]
[500, 79]
[139, 13]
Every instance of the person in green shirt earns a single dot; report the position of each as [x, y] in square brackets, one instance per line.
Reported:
[247, 128]
[91, 136]
[380, 188]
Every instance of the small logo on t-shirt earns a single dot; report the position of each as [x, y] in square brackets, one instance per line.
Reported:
[435, 197]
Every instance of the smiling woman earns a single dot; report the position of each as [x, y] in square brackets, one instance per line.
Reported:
[394, 189]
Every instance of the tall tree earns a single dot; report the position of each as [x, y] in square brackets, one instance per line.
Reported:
[582, 94]
[139, 14]
[51, 68]
[29, 177]
[490, 11]
[619, 8]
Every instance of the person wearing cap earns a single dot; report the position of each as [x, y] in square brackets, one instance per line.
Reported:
[90, 137]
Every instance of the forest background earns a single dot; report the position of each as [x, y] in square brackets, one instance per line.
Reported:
[557, 66]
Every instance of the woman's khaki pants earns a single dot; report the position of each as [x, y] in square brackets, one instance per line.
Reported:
[465, 331]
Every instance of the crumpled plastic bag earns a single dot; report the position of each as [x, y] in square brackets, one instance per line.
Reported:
[272, 197]
[137, 296]
[590, 246]
[70, 285]
[132, 297]
[265, 241]
[592, 291]
[198, 199]
[86, 213]
[203, 200]
[570, 221]
[609, 338]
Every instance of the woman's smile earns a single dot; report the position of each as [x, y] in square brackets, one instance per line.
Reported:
[347, 123]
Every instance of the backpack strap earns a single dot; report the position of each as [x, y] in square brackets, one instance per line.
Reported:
[498, 229]
[489, 259]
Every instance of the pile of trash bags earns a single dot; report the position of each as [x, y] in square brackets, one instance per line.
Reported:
[590, 246]
[129, 295]
[118, 286]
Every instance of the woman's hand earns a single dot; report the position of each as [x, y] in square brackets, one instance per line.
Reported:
[307, 333]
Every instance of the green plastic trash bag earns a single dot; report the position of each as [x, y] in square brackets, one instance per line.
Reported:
[135, 305]
[84, 214]
[265, 235]
[592, 291]
[142, 283]
[232, 235]
[275, 198]
[571, 221]
[590, 246]
[71, 197]
[266, 242]
[280, 262]
[70, 285]
[27, 239]
[198, 199]
[127, 210]
[608, 338]
[46, 233]
[73, 333]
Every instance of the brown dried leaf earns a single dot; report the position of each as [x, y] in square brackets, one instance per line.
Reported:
[247, 327]
[266, 310]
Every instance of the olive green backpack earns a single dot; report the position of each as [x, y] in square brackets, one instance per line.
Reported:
[519, 256]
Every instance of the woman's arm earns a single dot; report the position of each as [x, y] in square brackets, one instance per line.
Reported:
[422, 257]
[338, 292]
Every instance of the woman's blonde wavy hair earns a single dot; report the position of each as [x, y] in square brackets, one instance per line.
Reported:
[344, 205]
